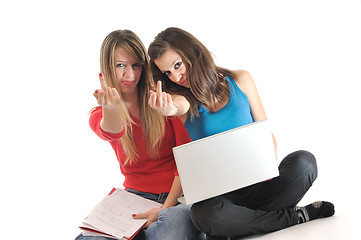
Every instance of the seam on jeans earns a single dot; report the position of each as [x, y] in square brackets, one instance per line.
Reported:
[297, 178]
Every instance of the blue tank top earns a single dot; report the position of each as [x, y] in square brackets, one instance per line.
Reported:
[235, 113]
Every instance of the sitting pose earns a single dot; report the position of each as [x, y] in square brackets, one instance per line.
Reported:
[141, 138]
[209, 100]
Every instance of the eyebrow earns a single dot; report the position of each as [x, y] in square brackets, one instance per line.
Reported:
[171, 65]
[124, 61]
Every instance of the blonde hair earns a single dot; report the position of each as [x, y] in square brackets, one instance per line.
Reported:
[152, 122]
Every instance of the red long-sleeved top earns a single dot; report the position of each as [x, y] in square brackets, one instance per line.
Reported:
[145, 174]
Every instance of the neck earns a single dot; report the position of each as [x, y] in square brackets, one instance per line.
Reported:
[132, 103]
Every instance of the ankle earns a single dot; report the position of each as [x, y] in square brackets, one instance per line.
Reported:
[319, 209]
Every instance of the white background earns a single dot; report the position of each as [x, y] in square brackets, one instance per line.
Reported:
[305, 57]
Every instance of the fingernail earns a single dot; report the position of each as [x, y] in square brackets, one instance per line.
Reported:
[100, 74]
[133, 215]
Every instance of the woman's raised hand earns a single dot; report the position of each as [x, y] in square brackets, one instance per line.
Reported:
[106, 97]
[162, 101]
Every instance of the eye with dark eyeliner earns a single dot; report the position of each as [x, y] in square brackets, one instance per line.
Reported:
[137, 65]
[166, 73]
[177, 65]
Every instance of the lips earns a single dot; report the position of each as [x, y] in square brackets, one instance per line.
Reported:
[184, 82]
[128, 83]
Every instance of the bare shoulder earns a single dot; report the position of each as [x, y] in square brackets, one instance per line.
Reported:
[244, 80]
[242, 76]
[246, 83]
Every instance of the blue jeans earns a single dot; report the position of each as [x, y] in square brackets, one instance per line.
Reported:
[173, 223]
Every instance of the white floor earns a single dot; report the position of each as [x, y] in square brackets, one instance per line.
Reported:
[330, 228]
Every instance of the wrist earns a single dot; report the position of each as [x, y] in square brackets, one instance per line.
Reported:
[111, 108]
[165, 206]
[111, 121]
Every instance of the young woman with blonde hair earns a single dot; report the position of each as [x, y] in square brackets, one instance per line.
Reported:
[210, 99]
[141, 138]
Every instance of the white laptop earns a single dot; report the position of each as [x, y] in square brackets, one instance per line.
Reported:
[227, 161]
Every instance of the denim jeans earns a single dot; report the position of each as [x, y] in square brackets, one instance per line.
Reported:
[259, 208]
[173, 223]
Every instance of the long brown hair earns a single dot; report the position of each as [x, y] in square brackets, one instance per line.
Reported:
[152, 122]
[207, 81]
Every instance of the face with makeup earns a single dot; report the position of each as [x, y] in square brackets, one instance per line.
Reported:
[171, 64]
[127, 70]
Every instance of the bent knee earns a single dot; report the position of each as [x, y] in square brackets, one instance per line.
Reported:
[303, 162]
[207, 207]
[307, 160]
[204, 213]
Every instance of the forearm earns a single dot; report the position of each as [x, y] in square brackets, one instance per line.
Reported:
[112, 120]
[174, 193]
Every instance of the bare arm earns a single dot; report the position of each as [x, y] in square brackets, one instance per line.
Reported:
[246, 83]
[109, 99]
[174, 193]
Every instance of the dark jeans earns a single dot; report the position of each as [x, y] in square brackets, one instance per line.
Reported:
[259, 208]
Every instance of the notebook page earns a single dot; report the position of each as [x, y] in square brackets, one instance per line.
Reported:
[113, 215]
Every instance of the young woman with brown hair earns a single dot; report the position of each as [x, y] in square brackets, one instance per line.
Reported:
[209, 100]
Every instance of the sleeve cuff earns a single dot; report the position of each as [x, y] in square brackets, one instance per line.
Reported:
[112, 136]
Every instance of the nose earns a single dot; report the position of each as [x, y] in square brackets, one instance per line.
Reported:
[176, 77]
[128, 71]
